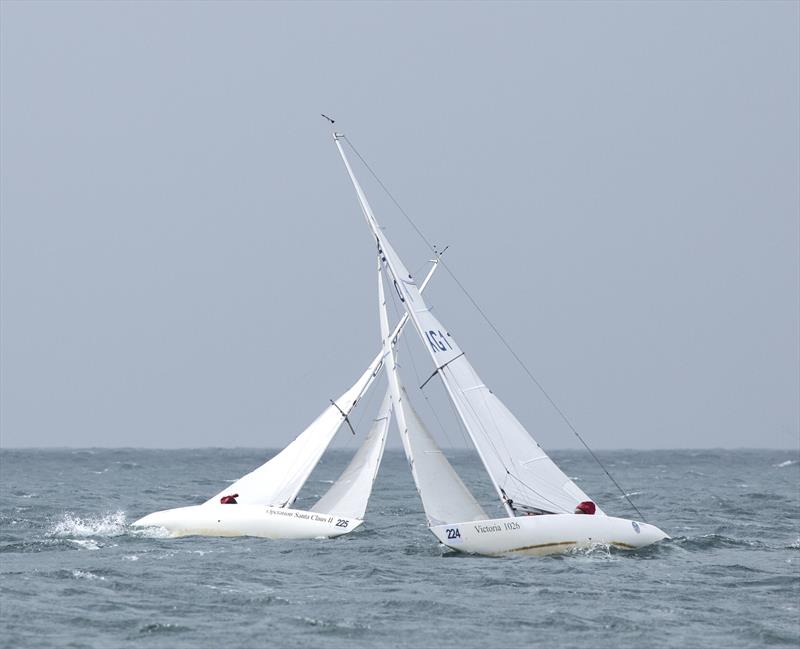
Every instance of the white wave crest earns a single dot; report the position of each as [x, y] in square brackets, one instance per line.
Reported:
[73, 525]
[86, 544]
[780, 465]
[593, 551]
[85, 574]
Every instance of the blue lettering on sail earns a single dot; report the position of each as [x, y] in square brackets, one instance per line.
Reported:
[434, 346]
[438, 341]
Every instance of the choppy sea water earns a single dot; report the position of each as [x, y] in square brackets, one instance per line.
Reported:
[73, 573]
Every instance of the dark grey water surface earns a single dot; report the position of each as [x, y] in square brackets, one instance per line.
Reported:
[73, 574]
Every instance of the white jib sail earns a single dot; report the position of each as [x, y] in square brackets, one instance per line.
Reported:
[520, 470]
[349, 495]
[278, 481]
[444, 496]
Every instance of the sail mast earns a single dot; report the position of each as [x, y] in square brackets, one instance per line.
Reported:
[517, 466]
[442, 344]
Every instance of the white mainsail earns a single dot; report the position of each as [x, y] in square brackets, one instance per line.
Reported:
[520, 470]
[444, 496]
[278, 481]
[348, 496]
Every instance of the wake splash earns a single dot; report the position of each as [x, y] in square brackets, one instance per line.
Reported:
[593, 551]
[72, 525]
[82, 530]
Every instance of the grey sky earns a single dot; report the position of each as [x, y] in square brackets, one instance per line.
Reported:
[184, 262]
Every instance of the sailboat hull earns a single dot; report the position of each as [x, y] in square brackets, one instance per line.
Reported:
[547, 534]
[248, 520]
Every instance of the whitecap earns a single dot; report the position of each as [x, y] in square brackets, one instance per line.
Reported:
[85, 574]
[347, 625]
[780, 465]
[86, 544]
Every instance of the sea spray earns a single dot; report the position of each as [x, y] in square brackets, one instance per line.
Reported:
[106, 525]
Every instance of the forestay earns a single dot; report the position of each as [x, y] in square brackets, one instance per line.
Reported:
[348, 496]
[520, 470]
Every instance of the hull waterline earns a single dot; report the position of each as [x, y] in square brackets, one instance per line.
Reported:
[548, 534]
[248, 520]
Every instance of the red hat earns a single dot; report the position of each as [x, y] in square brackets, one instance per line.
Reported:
[587, 507]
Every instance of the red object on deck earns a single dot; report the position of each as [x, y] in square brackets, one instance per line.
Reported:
[587, 507]
[229, 500]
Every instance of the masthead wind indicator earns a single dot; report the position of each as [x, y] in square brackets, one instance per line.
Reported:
[332, 121]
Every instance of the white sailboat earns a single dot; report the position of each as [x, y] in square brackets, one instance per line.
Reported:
[260, 503]
[539, 499]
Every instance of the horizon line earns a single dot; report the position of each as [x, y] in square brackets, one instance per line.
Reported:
[399, 448]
